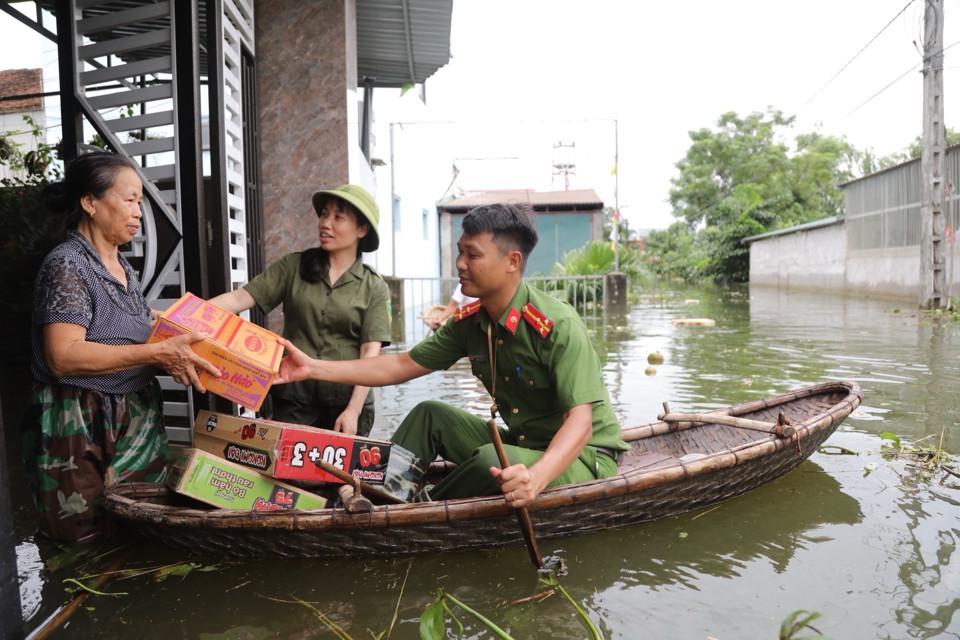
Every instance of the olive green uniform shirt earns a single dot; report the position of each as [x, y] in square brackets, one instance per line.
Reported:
[538, 378]
[326, 321]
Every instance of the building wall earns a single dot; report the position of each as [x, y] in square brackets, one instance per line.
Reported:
[885, 272]
[820, 259]
[875, 250]
[805, 259]
[559, 232]
[308, 95]
[412, 179]
[21, 82]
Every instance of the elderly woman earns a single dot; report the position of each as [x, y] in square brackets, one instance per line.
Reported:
[335, 307]
[94, 416]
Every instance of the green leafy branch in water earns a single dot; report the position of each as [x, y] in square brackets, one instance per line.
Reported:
[180, 569]
[82, 587]
[552, 582]
[431, 622]
[432, 626]
[339, 631]
[927, 461]
[796, 622]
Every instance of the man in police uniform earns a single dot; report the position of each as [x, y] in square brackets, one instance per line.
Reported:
[533, 355]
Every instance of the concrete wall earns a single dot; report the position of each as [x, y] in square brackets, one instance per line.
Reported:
[803, 259]
[819, 259]
[886, 272]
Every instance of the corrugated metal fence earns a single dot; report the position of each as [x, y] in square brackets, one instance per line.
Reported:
[883, 210]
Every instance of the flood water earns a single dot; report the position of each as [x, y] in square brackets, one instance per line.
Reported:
[864, 541]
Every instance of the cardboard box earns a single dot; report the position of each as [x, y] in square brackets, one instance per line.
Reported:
[288, 451]
[220, 483]
[247, 355]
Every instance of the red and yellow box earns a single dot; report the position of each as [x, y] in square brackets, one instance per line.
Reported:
[289, 451]
[218, 482]
[247, 355]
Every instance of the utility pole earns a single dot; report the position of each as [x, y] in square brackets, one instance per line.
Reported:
[932, 164]
[615, 234]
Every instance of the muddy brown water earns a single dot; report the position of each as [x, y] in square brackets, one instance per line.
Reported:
[864, 541]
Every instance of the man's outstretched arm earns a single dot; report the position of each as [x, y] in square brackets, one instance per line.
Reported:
[381, 371]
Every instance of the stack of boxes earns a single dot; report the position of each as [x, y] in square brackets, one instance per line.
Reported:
[239, 463]
[256, 455]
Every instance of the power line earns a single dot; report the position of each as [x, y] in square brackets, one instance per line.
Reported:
[893, 82]
[857, 55]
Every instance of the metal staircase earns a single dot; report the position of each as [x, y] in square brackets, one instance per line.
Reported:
[136, 77]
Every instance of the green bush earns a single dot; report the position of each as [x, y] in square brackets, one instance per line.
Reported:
[592, 259]
[27, 233]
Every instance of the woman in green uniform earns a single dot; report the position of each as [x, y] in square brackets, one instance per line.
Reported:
[335, 307]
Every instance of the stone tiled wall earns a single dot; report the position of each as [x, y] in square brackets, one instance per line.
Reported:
[306, 65]
[305, 54]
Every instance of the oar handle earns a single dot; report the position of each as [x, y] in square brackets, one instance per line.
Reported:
[353, 501]
[359, 485]
[783, 431]
[523, 516]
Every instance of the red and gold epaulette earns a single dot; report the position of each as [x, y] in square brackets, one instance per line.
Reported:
[466, 311]
[536, 319]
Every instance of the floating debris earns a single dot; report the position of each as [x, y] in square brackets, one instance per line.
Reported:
[698, 322]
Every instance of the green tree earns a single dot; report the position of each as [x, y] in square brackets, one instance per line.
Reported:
[672, 253]
[741, 154]
[26, 233]
[819, 165]
[744, 177]
[910, 153]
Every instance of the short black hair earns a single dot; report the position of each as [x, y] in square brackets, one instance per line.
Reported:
[94, 173]
[513, 226]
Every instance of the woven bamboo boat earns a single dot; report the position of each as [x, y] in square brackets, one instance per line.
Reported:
[672, 468]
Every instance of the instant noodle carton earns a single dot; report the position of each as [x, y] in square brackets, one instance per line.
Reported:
[218, 482]
[289, 451]
[247, 355]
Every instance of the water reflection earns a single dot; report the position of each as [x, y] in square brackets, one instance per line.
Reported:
[784, 518]
[927, 589]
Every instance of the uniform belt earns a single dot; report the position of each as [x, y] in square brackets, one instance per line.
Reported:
[610, 453]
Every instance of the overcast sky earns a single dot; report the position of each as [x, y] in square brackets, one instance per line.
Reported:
[626, 80]
[644, 74]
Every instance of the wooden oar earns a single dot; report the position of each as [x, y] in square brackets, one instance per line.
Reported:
[523, 516]
[359, 485]
[781, 428]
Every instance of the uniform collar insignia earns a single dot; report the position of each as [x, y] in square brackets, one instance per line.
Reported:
[535, 318]
[466, 311]
[512, 320]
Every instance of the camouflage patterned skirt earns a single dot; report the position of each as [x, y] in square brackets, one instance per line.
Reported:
[77, 441]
